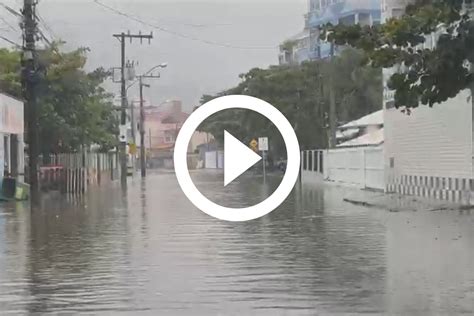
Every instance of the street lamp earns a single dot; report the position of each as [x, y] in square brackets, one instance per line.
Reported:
[162, 65]
[147, 74]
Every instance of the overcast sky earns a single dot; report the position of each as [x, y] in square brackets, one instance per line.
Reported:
[229, 37]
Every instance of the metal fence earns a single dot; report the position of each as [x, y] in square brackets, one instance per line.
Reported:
[77, 172]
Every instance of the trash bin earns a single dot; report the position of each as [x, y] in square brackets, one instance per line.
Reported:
[22, 191]
[8, 188]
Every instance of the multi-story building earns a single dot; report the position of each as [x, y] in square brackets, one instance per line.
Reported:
[349, 12]
[295, 50]
[308, 45]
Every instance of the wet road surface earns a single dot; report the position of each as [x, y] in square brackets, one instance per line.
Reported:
[152, 252]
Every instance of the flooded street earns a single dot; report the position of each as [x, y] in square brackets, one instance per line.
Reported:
[152, 251]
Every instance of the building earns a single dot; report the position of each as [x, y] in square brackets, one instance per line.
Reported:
[12, 132]
[366, 131]
[349, 12]
[162, 125]
[307, 44]
[430, 152]
[295, 50]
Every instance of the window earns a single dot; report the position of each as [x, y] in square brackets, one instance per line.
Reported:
[310, 160]
[169, 137]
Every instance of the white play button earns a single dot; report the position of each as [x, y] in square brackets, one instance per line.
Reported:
[238, 158]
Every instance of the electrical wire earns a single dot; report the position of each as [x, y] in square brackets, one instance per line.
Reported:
[11, 42]
[181, 35]
[46, 26]
[8, 24]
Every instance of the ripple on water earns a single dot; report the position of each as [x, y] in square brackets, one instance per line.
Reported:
[151, 251]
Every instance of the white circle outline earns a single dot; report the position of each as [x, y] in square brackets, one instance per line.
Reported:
[228, 213]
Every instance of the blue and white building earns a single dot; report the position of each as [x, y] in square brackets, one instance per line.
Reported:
[307, 45]
[348, 12]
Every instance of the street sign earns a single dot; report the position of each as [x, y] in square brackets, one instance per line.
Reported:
[123, 133]
[132, 149]
[263, 144]
[254, 144]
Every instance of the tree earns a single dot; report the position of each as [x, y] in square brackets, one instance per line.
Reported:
[74, 109]
[300, 92]
[426, 75]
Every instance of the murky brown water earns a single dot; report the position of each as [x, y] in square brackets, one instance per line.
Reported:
[153, 252]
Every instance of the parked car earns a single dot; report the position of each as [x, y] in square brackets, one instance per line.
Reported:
[281, 165]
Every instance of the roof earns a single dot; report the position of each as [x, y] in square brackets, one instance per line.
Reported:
[375, 118]
[372, 138]
[347, 133]
[166, 117]
[301, 35]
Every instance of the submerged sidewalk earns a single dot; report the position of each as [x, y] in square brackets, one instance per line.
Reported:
[396, 203]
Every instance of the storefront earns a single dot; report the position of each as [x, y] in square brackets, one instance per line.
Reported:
[11, 137]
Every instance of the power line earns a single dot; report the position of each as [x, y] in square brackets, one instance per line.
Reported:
[181, 35]
[8, 24]
[12, 11]
[46, 26]
[11, 42]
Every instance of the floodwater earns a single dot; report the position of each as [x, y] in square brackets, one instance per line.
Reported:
[152, 252]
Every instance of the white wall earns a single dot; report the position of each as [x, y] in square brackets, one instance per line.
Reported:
[431, 141]
[361, 167]
[214, 160]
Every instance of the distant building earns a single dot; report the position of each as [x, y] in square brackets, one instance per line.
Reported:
[308, 45]
[348, 12]
[162, 125]
[366, 131]
[295, 50]
[12, 132]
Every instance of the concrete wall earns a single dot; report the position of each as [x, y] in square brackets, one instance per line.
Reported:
[361, 167]
[430, 152]
[431, 141]
[214, 160]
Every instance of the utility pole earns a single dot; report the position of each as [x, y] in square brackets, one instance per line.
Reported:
[30, 78]
[142, 131]
[332, 105]
[142, 124]
[124, 104]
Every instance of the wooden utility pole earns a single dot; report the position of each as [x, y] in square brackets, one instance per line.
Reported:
[30, 78]
[124, 103]
[142, 131]
[142, 124]
[332, 142]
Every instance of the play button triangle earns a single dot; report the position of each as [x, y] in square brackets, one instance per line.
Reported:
[238, 158]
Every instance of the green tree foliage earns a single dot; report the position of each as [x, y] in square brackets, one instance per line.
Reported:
[301, 93]
[427, 75]
[74, 110]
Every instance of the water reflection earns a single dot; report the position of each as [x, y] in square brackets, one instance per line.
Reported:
[151, 251]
